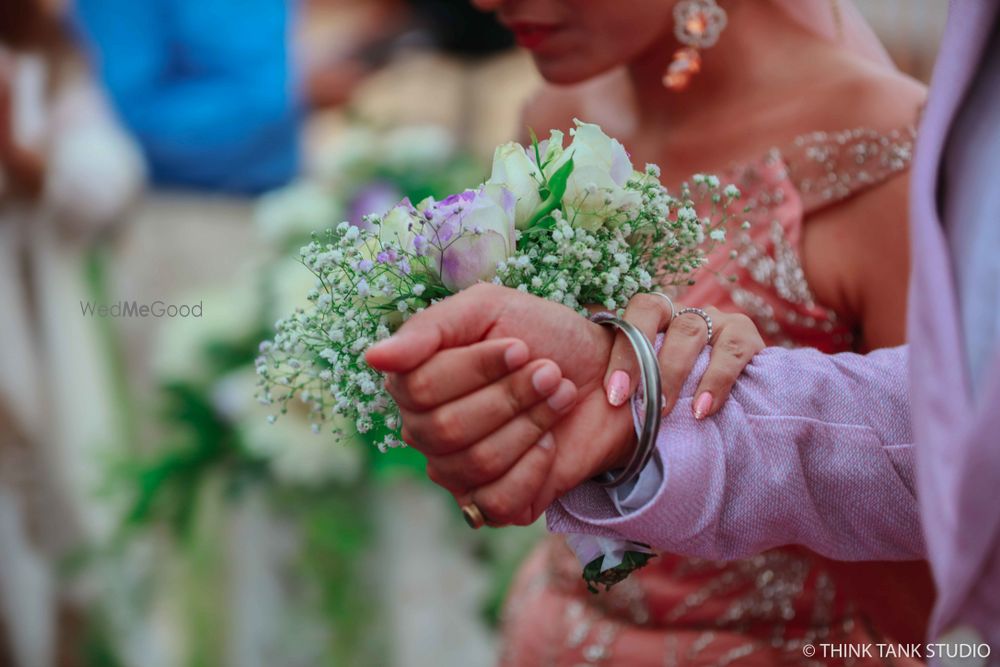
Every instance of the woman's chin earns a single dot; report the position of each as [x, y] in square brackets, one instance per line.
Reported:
[566, 71]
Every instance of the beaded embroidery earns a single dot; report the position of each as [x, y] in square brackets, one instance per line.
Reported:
[817, 171]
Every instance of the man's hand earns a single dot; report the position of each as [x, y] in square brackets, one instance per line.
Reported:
[470, 432]
[476, 408]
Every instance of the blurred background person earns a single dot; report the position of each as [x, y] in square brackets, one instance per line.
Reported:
[207, 87]
[67, 175]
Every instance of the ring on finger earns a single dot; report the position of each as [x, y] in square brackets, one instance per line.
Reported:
[670, 302]
[473, 516]
[703, 315]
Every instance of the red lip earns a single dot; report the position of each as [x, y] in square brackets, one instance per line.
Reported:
[532, 35]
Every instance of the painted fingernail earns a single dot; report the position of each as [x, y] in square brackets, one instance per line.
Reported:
[515, 356]
[563, 398]
[545, 379]
[617, 390]
[702, 405]
[547, 441]
[663, 404]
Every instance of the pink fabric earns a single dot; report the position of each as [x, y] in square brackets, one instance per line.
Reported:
[810, 595]
[771, 467]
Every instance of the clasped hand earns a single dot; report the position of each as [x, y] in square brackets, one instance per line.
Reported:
[515, 400]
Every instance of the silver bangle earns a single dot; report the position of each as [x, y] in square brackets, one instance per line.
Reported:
[652, 396]
[703, 315]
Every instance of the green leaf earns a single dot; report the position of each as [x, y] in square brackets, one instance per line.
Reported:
[557, 188]
[631, 561]
[534, 144]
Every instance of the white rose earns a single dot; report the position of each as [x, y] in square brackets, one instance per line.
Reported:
[592, 148]
[595, 190]
[515, 171]
[551, 150]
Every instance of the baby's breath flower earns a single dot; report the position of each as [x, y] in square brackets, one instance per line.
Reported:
[370, 282]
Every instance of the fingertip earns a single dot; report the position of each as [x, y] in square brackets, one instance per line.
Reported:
[404, 350]
[702, 405]
[384, 355]
[546, 378]
[618, 388]
[563, 398]
[516, 354]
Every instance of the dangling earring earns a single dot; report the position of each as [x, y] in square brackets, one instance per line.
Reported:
[697, 25]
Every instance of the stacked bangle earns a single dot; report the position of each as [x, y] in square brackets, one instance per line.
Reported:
[652, 398]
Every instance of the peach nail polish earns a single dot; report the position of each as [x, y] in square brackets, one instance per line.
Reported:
[617, 389]
[702, 405]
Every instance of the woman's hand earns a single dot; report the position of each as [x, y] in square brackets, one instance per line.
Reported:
[735, 342]
[477, 410]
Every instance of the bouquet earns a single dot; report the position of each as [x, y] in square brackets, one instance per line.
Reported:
[573, 224]
[576, 225]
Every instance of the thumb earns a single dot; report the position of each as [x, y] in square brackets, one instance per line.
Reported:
[405, 350]
[461, 319]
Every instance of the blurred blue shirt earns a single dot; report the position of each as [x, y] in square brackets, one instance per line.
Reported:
[206, 86]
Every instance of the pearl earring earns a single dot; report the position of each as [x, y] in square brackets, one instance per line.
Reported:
[697, 25]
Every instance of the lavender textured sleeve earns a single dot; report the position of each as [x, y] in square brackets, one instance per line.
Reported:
[810, 449]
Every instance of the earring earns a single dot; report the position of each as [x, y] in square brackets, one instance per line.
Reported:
[697, 25]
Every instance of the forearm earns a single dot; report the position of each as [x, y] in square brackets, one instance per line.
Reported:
[810, 449]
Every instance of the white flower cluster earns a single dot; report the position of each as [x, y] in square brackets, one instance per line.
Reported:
[574, 225]
[364, 289]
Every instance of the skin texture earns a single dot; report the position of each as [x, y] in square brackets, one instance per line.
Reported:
[589, 37]
[855, 255]
[468, 428]
[750, 97]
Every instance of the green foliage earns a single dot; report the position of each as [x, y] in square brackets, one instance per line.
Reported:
[632, 561]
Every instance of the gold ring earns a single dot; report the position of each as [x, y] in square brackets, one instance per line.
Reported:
[473, 516]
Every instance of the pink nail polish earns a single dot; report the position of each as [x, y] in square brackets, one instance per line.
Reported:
[515, 356]
[702, 405]
[617, 390]
[546, 441]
